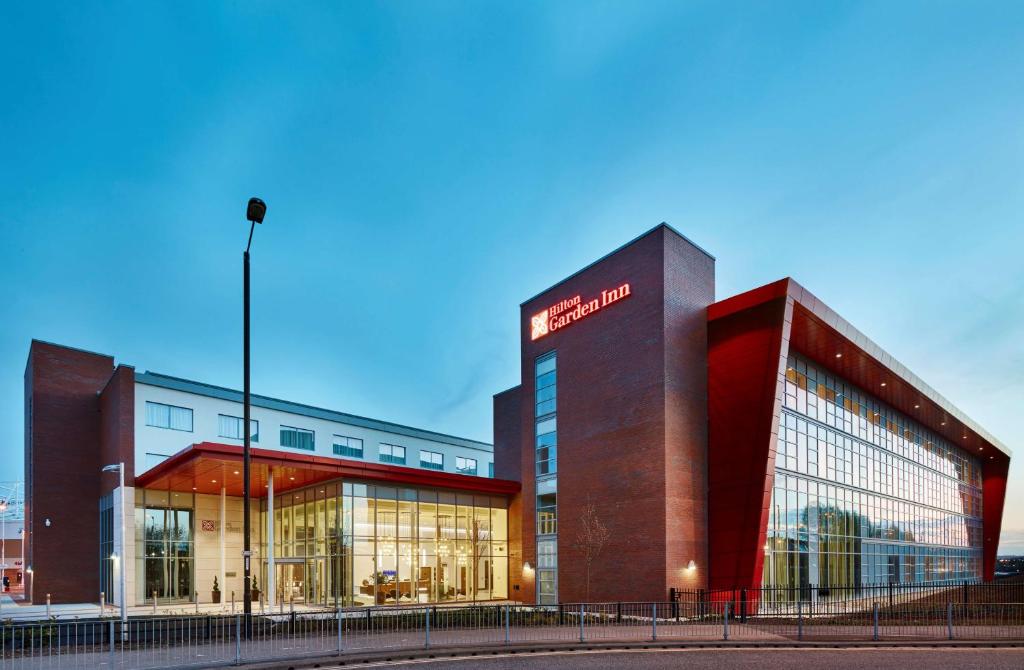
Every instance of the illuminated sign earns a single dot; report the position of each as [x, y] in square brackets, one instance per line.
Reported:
[567, 312]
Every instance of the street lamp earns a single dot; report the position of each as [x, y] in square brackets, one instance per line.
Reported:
[255, 212]
[122, 563]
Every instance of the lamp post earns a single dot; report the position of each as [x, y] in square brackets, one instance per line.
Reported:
[255, 212]
[122, 563]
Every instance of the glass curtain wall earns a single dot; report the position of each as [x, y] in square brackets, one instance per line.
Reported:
[864, 495]
[546, 427]
[361, 544]
[164, 546]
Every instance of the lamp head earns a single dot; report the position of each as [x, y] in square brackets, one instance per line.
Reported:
[256, 210]
[111, 468]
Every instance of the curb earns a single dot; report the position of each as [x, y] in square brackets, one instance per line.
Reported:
[357, 659]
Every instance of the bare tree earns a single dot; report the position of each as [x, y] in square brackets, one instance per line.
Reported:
[591, 538]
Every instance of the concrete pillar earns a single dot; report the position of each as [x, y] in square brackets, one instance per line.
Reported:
[271, 577]
[223, 551]
[124, 547]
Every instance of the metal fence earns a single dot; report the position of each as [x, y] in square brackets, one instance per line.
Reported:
[202, 641]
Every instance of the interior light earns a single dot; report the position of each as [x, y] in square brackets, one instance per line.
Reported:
[236, 472]
[883, 383]
[214, 481]
[839, 355]
[691, 566]
[917, 407]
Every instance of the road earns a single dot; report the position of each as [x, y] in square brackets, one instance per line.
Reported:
[733, 659]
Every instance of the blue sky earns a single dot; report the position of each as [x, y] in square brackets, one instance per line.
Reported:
[428, 166]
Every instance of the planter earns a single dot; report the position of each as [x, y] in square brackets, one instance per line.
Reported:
[216, 597]
[254, 595]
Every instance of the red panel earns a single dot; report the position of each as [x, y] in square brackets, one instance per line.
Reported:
[207, 466]
[993, 495]
[746, 354]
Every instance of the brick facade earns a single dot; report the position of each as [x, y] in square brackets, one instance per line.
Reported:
[631, 421]
[62, 464]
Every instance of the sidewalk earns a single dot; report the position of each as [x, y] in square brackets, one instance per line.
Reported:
[16, 610]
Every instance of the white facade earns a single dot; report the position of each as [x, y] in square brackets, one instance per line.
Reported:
[155, 444]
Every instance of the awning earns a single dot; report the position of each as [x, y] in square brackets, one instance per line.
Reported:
[207, 466]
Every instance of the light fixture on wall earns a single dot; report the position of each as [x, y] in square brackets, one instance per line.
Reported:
[691, 566]
[527, 567]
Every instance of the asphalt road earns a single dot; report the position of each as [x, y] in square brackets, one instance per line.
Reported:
[735, 659]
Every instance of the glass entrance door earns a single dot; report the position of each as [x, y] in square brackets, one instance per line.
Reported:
[168, 555]
[316, 581]
[291, 582]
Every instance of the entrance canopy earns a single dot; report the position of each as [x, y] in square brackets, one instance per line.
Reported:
[207, 466]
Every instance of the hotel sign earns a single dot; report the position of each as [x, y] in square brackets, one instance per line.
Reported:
[567, 312]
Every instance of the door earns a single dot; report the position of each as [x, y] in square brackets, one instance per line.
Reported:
[291, 582]
[316, 581]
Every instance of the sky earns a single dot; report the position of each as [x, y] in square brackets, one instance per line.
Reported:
[428, 166]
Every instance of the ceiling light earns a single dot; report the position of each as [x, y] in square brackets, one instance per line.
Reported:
[943, 423]
[839, 355]
[883, 383]
[292, 478]
[917, 407]
[236, 472]
[214, 481]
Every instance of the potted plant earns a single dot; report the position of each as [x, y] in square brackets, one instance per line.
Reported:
[254, 590]
[216, 592]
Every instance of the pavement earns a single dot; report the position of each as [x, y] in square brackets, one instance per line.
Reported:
[17, 610]
[858, 658]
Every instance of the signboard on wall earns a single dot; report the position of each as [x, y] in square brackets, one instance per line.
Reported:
[209, 526]
[570, 310]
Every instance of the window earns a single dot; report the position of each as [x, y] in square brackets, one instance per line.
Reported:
[431, 460]
[465, 466]
[348, 446]
[546, 385]
[547, 446]
[545, 450]
[297, 438]
[159, 415]
[231, 427]
[547, 507]
[392, 453]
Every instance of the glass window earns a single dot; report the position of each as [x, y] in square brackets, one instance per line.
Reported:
[431, 460]
[159, 415]
[465, 466]
[352, 447]
[392, 453]
[231, 427]
[297, 438]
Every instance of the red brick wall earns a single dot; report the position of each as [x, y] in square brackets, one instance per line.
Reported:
[117, 427]
[689, 289]
[62, 462]
[508, 454]
[507, 434]
[614, 422]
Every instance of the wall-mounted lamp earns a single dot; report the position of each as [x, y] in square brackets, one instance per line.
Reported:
[47, 523]
[527, 567]
[691, 566]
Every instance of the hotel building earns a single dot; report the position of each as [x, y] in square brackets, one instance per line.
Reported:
[759, 440]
